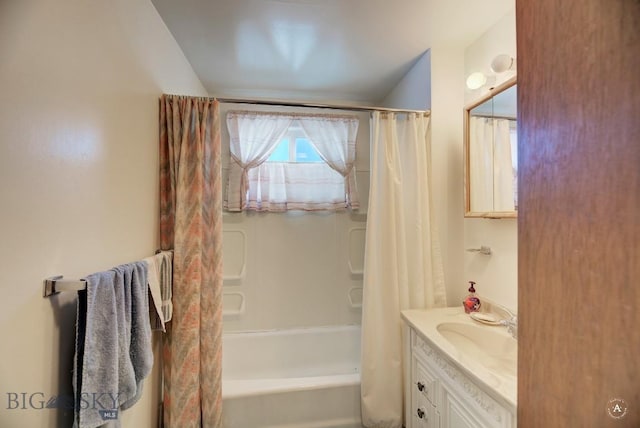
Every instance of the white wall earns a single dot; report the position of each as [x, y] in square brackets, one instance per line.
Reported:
[78, 173]
[296, 264]
[413, 91]
[496, 275]
[447, 98]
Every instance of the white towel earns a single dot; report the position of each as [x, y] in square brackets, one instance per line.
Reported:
[157, 316]
[165, 276]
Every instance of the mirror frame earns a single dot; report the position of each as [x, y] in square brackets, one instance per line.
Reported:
[467, 181]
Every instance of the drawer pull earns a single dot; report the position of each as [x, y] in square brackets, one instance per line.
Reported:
[420, 386]
[421, 413]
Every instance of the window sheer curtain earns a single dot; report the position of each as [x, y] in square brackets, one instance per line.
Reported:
[253, 136]
[334, 137]
[191, 225]
[255, 184]
[403, 267]
[282, 186]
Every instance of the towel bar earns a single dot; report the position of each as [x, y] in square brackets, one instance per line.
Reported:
[55, 284]
[482, 250]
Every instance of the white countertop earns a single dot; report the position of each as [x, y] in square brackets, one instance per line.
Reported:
[501, 386]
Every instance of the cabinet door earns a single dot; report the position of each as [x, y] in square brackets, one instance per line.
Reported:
[460, 413]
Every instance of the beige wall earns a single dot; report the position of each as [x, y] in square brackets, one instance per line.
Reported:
[496, 275]
[78, 172]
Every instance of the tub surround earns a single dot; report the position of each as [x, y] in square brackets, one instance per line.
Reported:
[438, 368]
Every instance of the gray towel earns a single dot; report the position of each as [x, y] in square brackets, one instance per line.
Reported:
[113, 344]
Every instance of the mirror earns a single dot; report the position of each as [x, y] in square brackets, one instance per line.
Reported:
[491, 154]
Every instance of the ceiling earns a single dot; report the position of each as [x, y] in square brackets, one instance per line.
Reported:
[347, 50]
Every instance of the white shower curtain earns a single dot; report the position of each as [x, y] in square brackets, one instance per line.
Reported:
[403, 267]
[491, 167]
[503, 195]
[481, 164]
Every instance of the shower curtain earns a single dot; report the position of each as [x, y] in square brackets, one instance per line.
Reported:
[481, 164]
[503, 186]
[191, 225]
[491, 167]
[403, 267]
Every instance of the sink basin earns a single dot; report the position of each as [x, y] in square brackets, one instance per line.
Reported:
[493, 349]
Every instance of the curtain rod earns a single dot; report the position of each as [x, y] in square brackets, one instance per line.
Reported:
[487, 116]
[313, 105]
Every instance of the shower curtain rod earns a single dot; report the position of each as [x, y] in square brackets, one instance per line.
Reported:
[487, 116]
[282, 103]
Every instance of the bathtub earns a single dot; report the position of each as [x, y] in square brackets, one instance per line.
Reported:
[298, 378]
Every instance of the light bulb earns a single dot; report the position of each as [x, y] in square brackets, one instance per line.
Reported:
[502, 63]
[476, 80]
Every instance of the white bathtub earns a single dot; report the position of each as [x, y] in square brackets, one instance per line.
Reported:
[302, 378]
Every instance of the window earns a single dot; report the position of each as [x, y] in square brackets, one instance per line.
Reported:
[295, 147]
[284, 161]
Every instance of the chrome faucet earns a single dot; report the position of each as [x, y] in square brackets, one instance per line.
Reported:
[512, 326]
[510, 319]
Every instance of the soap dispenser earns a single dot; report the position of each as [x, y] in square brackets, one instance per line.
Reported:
[471, 303]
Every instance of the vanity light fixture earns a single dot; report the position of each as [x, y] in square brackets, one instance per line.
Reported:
[476, 80]
[502, 63]
[499, 64]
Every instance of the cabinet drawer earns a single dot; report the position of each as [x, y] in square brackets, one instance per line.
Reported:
[425, 382]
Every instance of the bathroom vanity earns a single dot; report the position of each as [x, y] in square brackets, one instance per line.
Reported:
[459, 373]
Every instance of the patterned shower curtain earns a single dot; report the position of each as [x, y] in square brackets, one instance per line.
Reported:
[191, 225]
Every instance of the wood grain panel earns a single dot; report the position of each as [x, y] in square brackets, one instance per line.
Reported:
[579, 211]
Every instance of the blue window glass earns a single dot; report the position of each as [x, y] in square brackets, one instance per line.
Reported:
[281, 153]
[305, 151]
